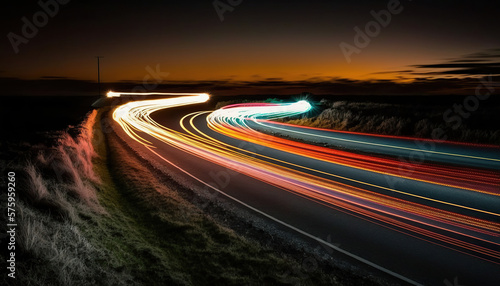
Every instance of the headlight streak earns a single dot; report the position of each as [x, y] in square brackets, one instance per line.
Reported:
[309, 169]
[419, 220]
[229, 126]
[480, 181]
[494, 160]
[119, 94]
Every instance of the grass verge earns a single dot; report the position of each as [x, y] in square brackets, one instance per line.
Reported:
[91, 212]
[156, 235]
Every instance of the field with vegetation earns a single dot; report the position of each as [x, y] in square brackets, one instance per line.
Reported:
[405, 119]
[411, 116]
[91, 212]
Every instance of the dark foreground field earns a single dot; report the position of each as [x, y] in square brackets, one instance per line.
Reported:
[90, 211]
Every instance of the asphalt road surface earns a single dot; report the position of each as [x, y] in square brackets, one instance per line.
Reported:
[425, 212]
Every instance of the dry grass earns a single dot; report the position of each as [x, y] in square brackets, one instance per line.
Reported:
[56, 186]
[400, 120]
[184, 245]
[55, 252]
[100, 217]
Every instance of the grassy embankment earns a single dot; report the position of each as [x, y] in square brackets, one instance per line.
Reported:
[417, 117]
[164, 238]
[413, 120]
[98, 216]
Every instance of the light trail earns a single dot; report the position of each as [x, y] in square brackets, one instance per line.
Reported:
[376, 142]
[463, 179]
[438, 210]
[119, 94]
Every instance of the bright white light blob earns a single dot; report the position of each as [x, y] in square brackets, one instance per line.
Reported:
[112, 94]
[259, 111]
[118, 94]
[302, 106]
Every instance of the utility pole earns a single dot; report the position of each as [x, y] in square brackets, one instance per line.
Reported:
[99, 75]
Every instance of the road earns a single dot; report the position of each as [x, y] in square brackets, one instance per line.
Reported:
[431, 221]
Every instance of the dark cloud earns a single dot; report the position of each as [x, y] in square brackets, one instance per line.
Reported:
[491, 53]
[476, 64]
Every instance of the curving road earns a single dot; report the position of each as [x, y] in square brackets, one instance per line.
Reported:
[431, 221]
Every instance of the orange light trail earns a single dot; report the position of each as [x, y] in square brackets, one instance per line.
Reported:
[456, 224]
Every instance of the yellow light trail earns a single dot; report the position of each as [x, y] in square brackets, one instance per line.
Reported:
[367, 202]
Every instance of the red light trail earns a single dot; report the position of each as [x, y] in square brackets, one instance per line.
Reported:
[432, 202]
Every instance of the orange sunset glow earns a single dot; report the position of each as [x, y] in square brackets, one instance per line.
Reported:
[305, 42]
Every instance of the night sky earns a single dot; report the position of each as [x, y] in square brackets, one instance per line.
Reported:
[427, 46]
